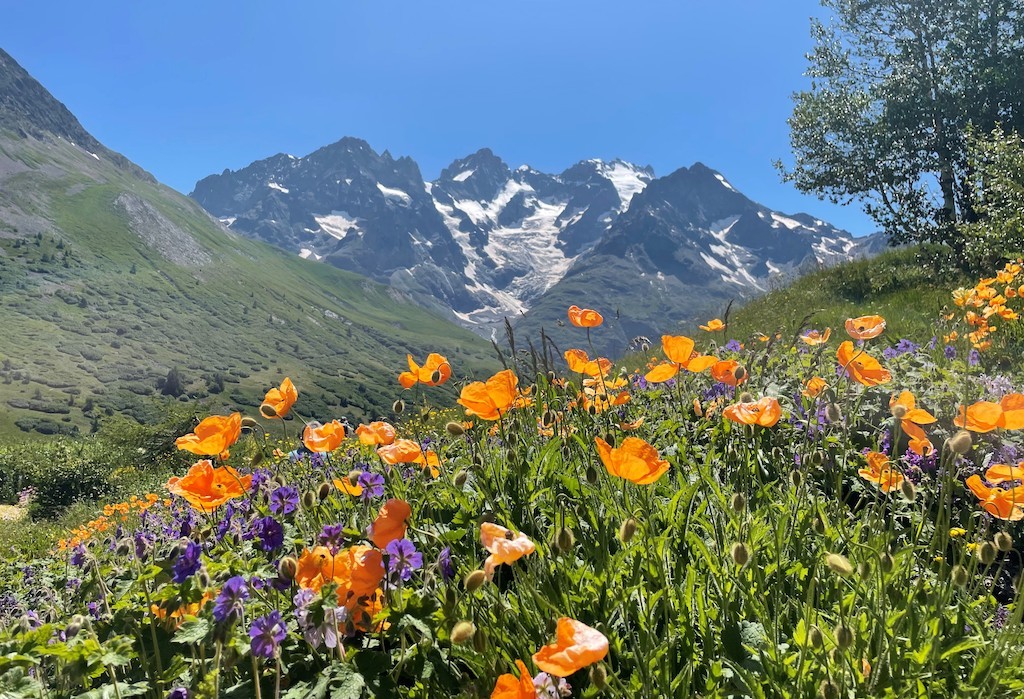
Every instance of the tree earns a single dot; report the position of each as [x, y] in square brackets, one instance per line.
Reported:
[997, 160]
[173, 385]
[895, 87]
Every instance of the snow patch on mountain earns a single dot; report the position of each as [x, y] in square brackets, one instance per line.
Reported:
[338, 224]
[395, 194]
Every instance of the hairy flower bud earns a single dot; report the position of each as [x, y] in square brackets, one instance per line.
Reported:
[816, 638]
[598, 677]
[738, 503]
[839, 564]
[308, 499]
[960, 443]
[987, 553]
[817, 458]
[463, 632]
[564, 540]
[474, 580]
[828, 690]
[1003, 541]
[844, 636]
[288, 567]
[746, 397]
[324, 491]
[591, 475]
[460, 478]
[833, 413]
[908, 490]
[886, 562]
[548, 418]
[249, 423]
[740, 373]
[796, 478]
[398, 406]
[959, 576]
[740, 553]
[626, 530]
[455, 429]
[899, 411]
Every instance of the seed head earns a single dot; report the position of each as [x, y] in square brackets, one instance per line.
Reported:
[591, 475]
[828, 690]
[309, 499]
[886, 562]
[899, 411]
[249, 423]
[324, 491]
[627, 530]
[796, 478]
[474, 580]
[839, 564]
[740, 553]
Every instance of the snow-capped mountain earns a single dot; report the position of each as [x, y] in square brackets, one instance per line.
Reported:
[485, 241]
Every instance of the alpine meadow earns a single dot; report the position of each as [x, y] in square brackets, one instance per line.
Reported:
[350, 425]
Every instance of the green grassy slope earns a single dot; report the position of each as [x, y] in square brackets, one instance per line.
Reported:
[893, 285]
[107, 282]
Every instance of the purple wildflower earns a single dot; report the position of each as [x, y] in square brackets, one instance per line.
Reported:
[733, 346]
[78, 556]
[445, 565]
[284, 500]
[973, 358]
[231, 600]
[187, 562]
[950, 352]
[372, 484]
[319, 625]
[266, 634]
[269, 531]
[333, 537]
[403, 559]
[178, 693]
[549, 687]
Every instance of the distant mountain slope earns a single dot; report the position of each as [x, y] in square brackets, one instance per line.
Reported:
[109, 280]
[485, 242]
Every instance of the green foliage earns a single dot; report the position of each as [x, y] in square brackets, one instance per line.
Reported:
[997, 159]
[895, 88]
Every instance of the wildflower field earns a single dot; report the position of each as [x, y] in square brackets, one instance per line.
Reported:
[833, 513]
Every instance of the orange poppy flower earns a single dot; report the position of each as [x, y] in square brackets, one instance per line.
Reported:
[905, 408]
[861, 366]
[390, 524]
[765, 412]
[662, 372]
[1004, 503]
[491, 400]
[509, 686]
[814, 386]
[816, 337]
[212, 436]
[346, 486]
[636, 460]
[919, 442]
[406, 451]
[376, 433]
[679, 350]
[714, 326]
[323, 438]
[1003, 473]
[881, 473]
[581, 363]
[279, 401]
[357, 570]
[1012, 406]
[434, 372]
[503, 545]
[576, 646]
[982, 416]
[584, 317]
[724, 371]
[206, 488]
[865, 327]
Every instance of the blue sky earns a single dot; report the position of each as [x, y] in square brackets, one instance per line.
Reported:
[191, 87]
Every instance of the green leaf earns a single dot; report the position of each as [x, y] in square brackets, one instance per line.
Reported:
[192, 631]
[123, 689]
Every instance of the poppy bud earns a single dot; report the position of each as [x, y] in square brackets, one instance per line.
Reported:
[1003, 541]
[324, 491]
[309, 499]
[599, 677]
[828, 690]
[740, 553]
[484, 517]
[480, 641]
[796, 478]
[450, 599]
[203, 577]
[249, 424]
[547, 419]
[833, 413]
[591, 475]
[478, 460]
[398, 406]
[353, 475]
[844, 636]
[474, 580]
[564, 540]
[899, 411]
[987, 553]
[839, 564]
[886, 563]
[551, 377]
[863, 569]
[817, 459]
[592, 409]
[460, 478]
[644, 346]
[257, 459]
[746, 397]
[740, 373]
[288, 567]
[463, 632]
[627, 530]
[738, 503]
[279, 479]
[436, 376]
[819, 525]
[124, 546]
[610, 438]
[908, 490]
[72, 629]
[815, 636]
[959, 576]
[960, 443]
[455, 429]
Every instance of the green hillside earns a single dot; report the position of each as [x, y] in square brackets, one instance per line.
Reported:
[109, 281]
[894, 285]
